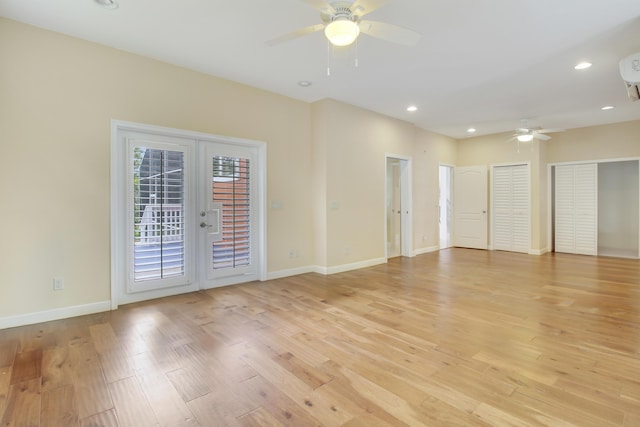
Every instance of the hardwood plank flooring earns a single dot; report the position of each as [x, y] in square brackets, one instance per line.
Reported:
[454, 338]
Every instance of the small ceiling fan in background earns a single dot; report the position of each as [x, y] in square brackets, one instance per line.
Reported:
[529, 134]
[342, 24]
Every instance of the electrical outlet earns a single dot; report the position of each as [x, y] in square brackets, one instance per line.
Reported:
[58, 283]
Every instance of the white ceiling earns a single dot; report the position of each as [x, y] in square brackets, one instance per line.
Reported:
[486, 64]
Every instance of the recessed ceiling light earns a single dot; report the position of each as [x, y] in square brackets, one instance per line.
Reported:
[608, 107]
[583, 66]
[107, 4]
[304, 83]
[471, 130]
[412, 108]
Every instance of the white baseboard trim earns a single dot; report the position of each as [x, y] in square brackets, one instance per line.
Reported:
[290, 272]
[355, 266]
[426, 250]
[55, 314]
[538, 251]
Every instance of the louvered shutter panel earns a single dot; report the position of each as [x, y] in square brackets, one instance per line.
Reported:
[565, 210]
[231, 189]
[158, 251]
[511, 208]
[576, 203]
[520, 202]
[586, 208]
[502, 208]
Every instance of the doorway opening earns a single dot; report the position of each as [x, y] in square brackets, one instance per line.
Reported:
[445, 174]
[398, 229]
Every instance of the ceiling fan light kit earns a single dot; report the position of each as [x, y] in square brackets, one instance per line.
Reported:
[525, 137]
[342, 32]
[342, 24]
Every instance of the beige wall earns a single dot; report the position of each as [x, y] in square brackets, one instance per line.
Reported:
[429, 151]
[355, 142]
[59, 95]
[613, 141]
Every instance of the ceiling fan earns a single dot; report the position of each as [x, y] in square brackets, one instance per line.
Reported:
[529, 134]
[342, 24]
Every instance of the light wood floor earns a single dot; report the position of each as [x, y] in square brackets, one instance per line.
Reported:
[459, 337]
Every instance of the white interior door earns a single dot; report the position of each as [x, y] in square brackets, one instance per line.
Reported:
[228, 212]
[470, 207]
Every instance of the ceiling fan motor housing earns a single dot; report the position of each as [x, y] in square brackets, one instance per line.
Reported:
[342, 12]
[630, 72]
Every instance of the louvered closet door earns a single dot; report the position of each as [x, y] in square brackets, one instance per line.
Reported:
[576, 204]
[586, 204]
[511, 208]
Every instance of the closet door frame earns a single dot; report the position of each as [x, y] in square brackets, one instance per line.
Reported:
[550, 194]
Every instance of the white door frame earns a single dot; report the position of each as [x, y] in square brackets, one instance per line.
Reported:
[550, 247]
[406, 203]
[119, 243]
[450, 210]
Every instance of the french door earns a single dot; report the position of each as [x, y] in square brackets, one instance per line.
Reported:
[228, 215]
[187, 212]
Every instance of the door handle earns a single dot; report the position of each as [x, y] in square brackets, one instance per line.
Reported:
[204, 225]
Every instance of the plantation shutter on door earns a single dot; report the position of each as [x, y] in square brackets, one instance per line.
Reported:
[231, 184]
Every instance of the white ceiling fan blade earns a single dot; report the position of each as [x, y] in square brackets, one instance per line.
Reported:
[541, 136]
[321, 6]
[390, 32]
[550, 130]
[298, 33]
[363, 7]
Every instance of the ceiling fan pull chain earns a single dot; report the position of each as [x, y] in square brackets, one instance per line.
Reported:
[328, 59]
[356, 61]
